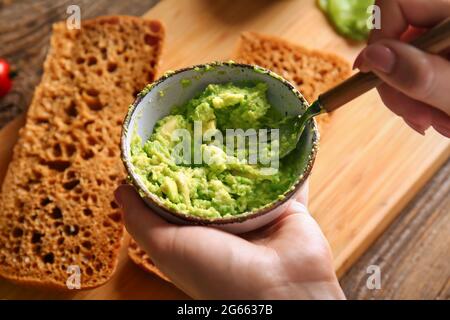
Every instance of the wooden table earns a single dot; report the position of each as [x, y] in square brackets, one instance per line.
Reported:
[413, 253]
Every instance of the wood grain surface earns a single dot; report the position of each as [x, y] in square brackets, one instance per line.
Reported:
[414, 252]
[423, 223]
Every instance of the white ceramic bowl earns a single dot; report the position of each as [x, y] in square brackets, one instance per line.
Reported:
[156, 101]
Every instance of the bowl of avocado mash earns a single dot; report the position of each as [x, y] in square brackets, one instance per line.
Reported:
[201, 144]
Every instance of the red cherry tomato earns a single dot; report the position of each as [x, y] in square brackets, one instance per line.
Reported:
[5, 78]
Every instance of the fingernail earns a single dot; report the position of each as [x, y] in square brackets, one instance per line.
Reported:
[357, 62]
[117, 196]
[417, 127]
[378, 57]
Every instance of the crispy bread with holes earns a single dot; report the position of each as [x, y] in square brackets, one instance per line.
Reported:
[312, 71]
[140, 258]
[56, 204]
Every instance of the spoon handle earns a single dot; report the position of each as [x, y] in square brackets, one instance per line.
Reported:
[434, 41]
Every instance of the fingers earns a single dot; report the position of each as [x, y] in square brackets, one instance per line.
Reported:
[297, 238]
[416, 114]
[155, 234]
[411, 34]
[397, 15]
[441, 122]
[415, 73]
[420, 78]
[196, 259]
[148, 229]
[392, 21]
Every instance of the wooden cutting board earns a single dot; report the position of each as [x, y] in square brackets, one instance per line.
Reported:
[370, 164]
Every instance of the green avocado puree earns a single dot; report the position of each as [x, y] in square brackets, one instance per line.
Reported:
[349, 17]
[227, 186]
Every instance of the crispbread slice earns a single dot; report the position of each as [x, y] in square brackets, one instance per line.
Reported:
[56, 206]
[140, 258]
[312, 71]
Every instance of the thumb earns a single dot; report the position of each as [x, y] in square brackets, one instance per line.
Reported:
[150, 231]
[413, 72]
[178, 251]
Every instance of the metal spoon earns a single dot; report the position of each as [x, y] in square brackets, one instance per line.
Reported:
[434, 41]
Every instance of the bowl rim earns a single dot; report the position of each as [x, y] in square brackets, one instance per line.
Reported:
[196, 220]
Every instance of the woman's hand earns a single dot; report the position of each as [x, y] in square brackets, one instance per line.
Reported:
[290, 259]
[417, 84]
